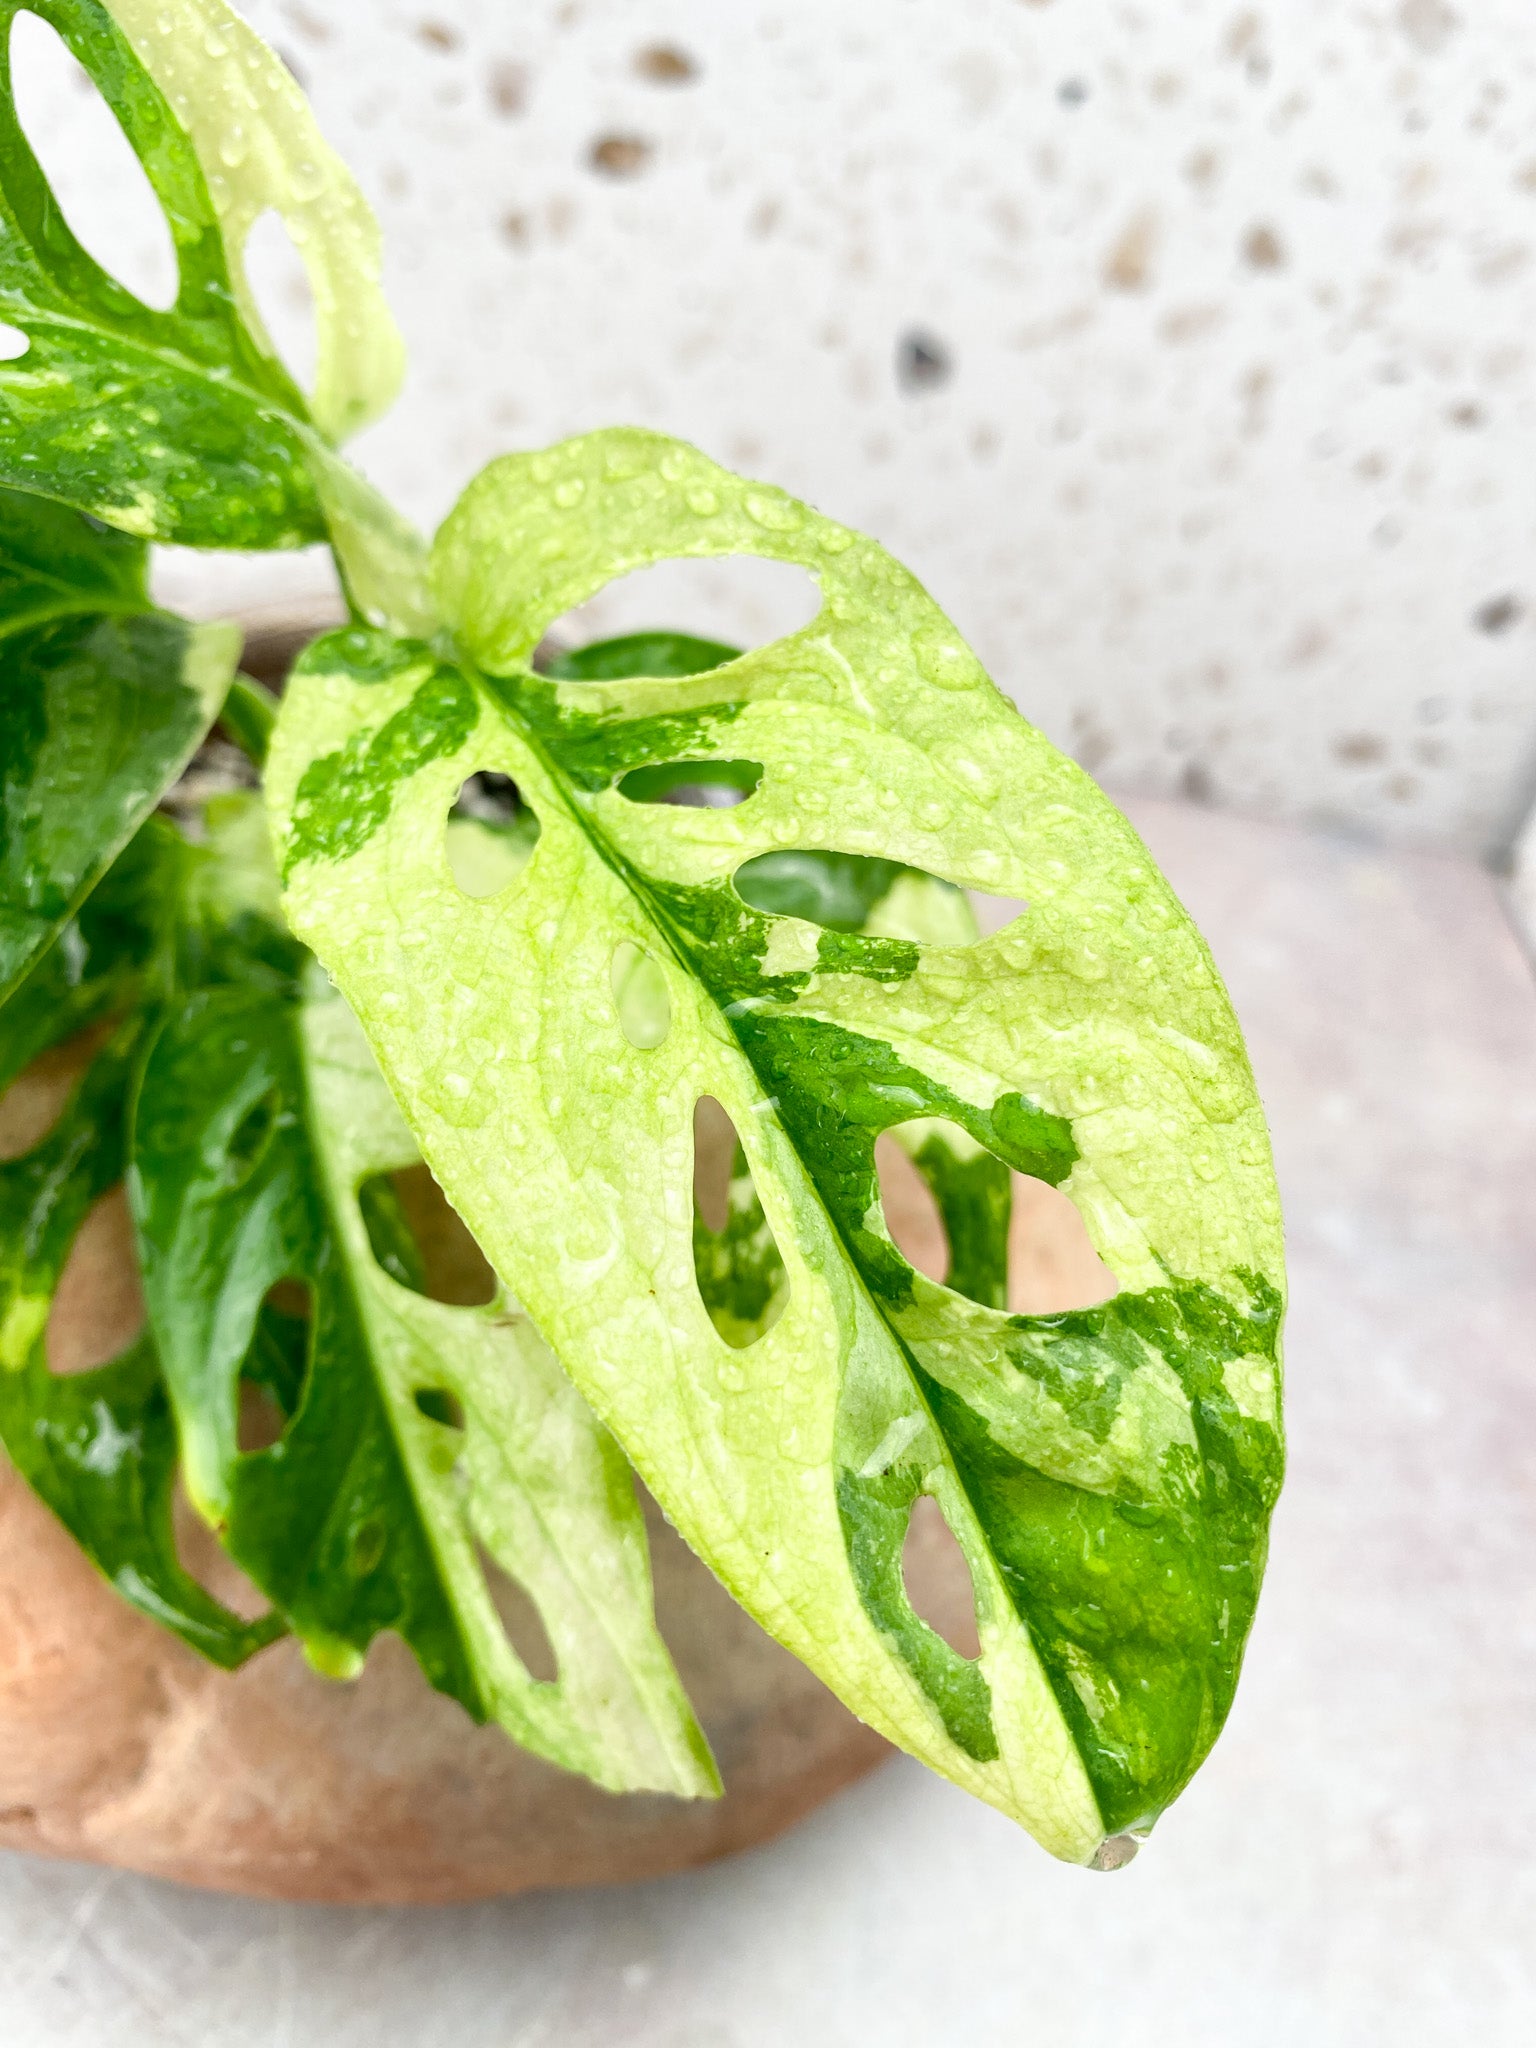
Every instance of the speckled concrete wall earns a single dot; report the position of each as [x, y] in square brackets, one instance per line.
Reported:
[1185, 350]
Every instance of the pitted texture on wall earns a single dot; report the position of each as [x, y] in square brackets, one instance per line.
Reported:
[1183, 351]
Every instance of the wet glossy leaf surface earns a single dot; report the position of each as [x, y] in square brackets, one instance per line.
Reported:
[1109, 1472]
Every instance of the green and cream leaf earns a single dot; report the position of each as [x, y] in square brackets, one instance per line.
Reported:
[183, 424]
[1108, 1486]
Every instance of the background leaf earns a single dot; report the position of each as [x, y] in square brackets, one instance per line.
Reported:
[98, 1447]
[105, 702]
[414, 1431]
[183, 425]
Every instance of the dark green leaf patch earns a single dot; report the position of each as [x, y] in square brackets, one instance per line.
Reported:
[594, 749]
[98, 1447]
[1138, 1608]
[104, 702]
[221, 1219]
[120, 936]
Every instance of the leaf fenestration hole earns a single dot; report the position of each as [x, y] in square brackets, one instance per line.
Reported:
[640, 995]
[275, 1369]
[736, 1257]
[861, 893]
[714, 1149]
[250, 1139]
[208, 1564]
[98, 1305]
[13, 343]
[101, 187]
[520, 1618]
[421, 1241]
[699, 785]
[440, 1404]
[937, 1578]
[963, 1219]
[1052, 1265]
[911, 1214]
[32, 1103]
[366, 1544]
[490, 833]
[724, 603]
[285, 299]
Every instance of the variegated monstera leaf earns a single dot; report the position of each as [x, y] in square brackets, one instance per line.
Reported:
[550, 1027]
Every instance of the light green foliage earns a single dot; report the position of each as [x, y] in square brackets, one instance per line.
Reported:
[1108, 1473]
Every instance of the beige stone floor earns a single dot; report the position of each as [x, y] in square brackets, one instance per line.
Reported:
[1356, 1864]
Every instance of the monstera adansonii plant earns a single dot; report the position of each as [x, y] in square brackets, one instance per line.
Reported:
[289, 996]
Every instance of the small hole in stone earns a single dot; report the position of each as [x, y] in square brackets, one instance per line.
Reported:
[1498, 614]
[923, 362]
[736, 1258]
[666, 64]
[421, 1242]
[522, 1621]
[489, 835]
[440, 1405]
[701, 785]
[507, 84]
[640, 995]
[620, 156]
[937, 1578]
